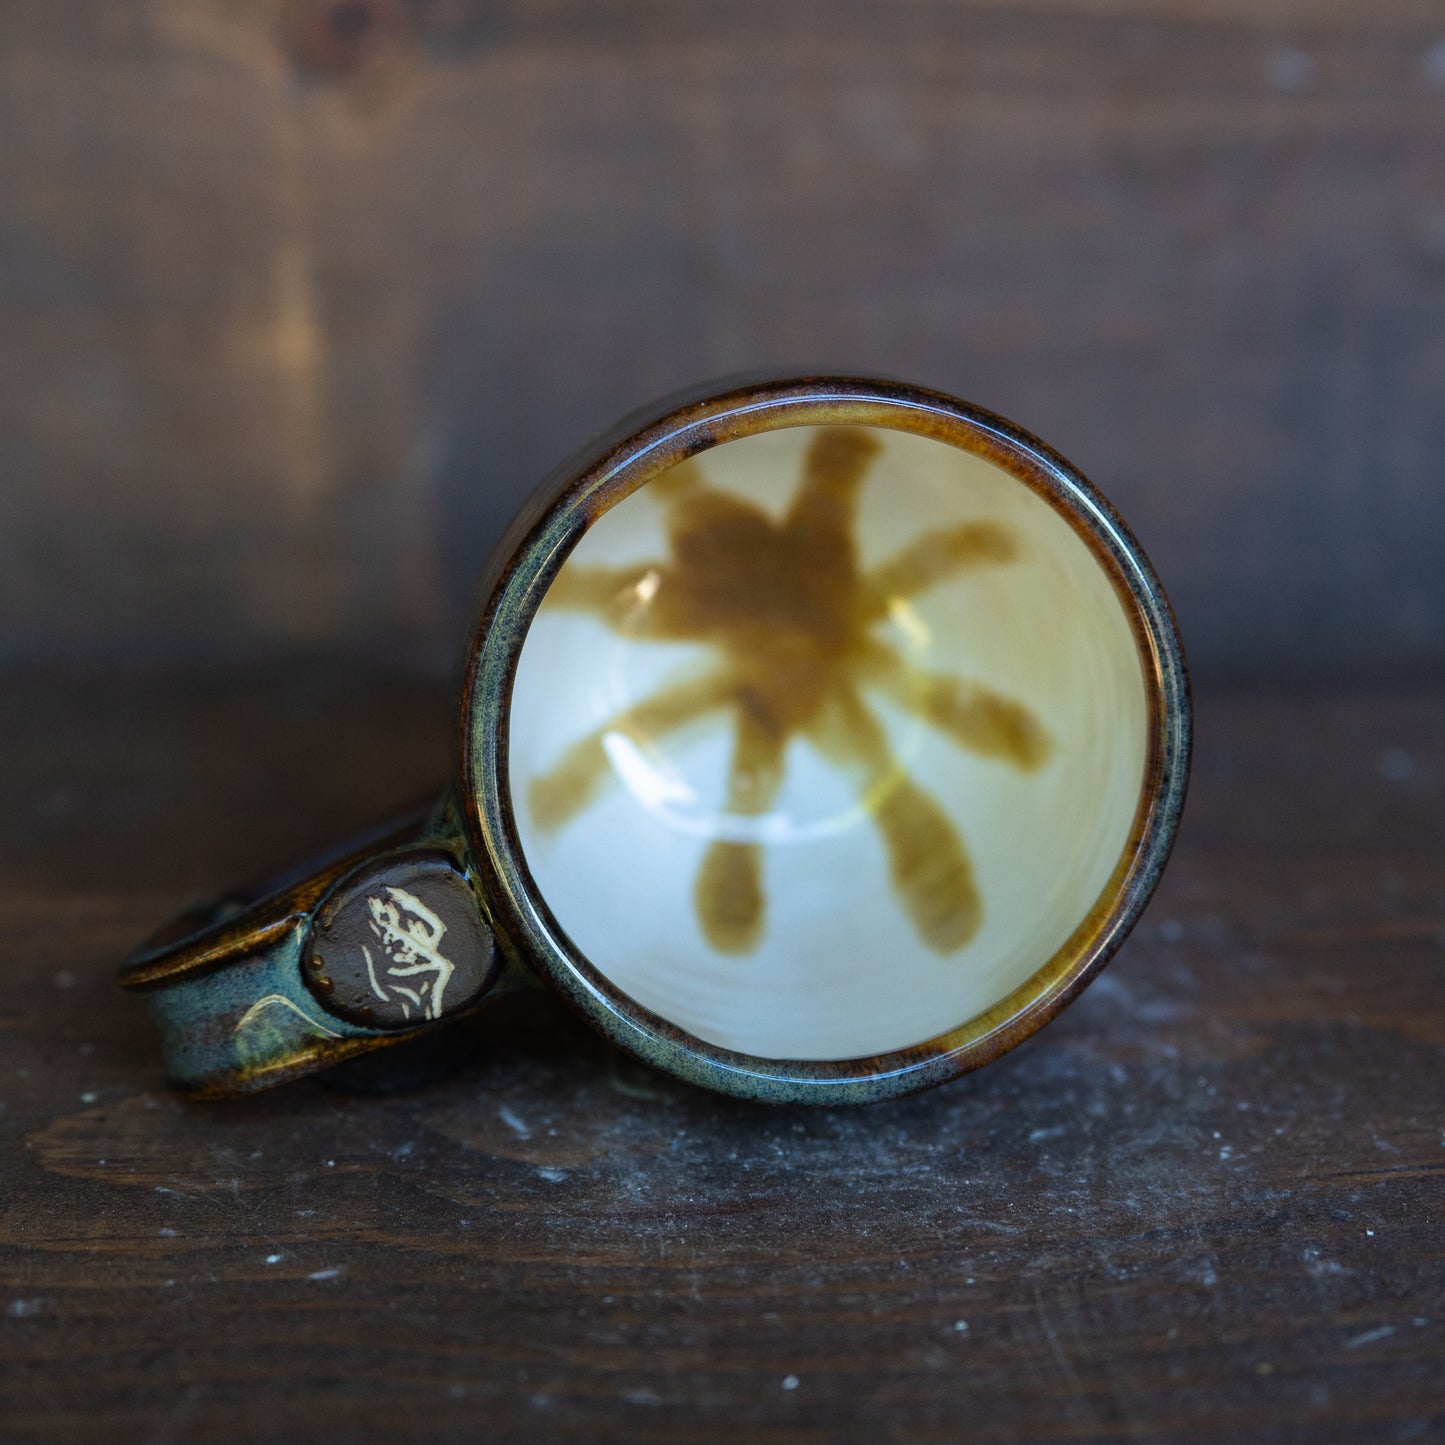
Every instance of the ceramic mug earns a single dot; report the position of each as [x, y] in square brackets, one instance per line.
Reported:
[818, 739]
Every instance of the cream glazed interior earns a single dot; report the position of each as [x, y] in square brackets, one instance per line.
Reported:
[823, 743]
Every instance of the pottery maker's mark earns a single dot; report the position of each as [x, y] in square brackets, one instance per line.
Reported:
[792, 615]
[399, 944]
[410, 935]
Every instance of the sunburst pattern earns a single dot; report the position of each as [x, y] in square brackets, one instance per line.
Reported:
[793, 620]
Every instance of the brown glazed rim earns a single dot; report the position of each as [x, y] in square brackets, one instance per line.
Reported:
[522, 570]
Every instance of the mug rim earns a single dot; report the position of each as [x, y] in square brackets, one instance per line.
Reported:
[536, 547]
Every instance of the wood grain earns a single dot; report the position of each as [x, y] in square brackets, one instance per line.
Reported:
[298, 300]
[1202, 1206]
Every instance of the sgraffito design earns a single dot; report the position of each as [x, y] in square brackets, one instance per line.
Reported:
[793, 619]
[279, 1000]
[400, 943]
[410, 935]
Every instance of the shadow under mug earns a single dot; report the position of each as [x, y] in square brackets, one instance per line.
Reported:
[818, 739]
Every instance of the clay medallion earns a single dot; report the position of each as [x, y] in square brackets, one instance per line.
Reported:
[399, 944]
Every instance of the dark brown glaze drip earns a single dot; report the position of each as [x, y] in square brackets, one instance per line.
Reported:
[791, 615]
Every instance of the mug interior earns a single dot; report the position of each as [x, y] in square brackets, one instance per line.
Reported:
[823, 742]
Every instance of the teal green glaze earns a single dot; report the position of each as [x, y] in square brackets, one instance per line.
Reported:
[235, 1030]
[530, 558]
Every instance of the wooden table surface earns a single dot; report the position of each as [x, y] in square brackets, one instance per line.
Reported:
[1203, 1205]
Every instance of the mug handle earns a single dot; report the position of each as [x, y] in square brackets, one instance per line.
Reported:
[380, 939]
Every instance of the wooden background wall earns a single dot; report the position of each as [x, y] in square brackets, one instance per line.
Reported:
[298, 301]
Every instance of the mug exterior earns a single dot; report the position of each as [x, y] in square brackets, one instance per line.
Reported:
[806, 636]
